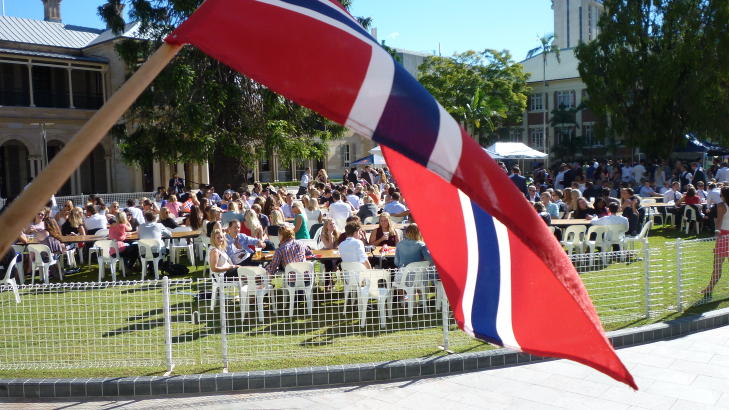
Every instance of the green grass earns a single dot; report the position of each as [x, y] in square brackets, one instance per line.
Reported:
[119, 330]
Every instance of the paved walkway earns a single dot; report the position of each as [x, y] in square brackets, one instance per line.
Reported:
[691, 372]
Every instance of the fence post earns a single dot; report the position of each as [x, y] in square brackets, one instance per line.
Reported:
[444, 314]
[679, 274]
[647, 269]
[223, 323]
[168, 324]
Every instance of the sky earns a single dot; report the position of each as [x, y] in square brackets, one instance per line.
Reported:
[415, 25]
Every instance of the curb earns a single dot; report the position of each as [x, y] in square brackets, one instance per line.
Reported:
[331, 375]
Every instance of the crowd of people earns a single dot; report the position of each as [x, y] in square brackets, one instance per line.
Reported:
[240, 221]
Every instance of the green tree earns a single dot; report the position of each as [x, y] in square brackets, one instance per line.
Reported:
[658, 70]
[484, 91]
[199, 109]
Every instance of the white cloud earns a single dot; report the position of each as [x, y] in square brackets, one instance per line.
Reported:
[393, 36]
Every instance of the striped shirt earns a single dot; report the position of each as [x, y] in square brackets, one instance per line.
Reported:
[289, 251]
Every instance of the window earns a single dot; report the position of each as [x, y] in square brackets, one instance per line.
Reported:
[346, 159]
[14, 87]
[87, 91]
[563, 135]
[588, 135]
[536, 102]
[536, 138]
[50, 87]
[265, 165]
[515, 134]
[565, 99]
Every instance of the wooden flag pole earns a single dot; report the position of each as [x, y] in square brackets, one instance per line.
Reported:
[20, 212]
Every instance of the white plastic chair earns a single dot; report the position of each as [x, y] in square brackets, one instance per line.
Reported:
[412, 279]
[275, 240]
[7, 280]
[177, 245]
[370, 220]
[642, 237]
[317, 235]
[93, 250]
[350, 276]
[256, 283]
[22, 253]
[300, 272]
[37, 251]
[340, 223]
[381, 294]
[147, 249]
[599, 232]
[689, 216]
[201, 244]
[397, 219]
[106, 258]
[615, 236]
[573, 238]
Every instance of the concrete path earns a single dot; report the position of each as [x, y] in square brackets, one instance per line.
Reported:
[691, 372]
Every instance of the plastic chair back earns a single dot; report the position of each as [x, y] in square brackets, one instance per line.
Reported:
[181, 241]
[105, 247]
[10, 267]
[38, 250]
[147, 247]
[574, 233]
[254, 275]
[351, 270]
[102, 232]
[298, 273]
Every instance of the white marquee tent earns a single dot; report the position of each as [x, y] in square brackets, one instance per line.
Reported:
[513, 150]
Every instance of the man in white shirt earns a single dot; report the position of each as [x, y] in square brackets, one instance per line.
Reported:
[286, 207]
[713, 196]
[352, 249]
[612, 219]
[304, 184]
[673, 194]
[722, 175]
[639, 172]
[338, 210]
[137, 213]
[627, 173]
[353, 199]
[94, 221]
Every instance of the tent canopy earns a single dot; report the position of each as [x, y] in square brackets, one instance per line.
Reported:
[372, 159]
[513, 150]
[693, 144]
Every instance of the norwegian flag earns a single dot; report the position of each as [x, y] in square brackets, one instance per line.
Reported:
[506, 276]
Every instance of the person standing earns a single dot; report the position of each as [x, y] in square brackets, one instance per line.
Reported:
[304, 183]
[176, 185]
[519, 180]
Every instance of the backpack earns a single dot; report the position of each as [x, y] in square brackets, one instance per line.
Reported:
[173, 269]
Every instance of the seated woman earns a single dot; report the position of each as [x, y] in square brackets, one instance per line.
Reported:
[74, 224]
[411, 248]
[194, 219]
[118, 232]
[289, 250]
[301, 227]
[601, 208]
[220, 262]
[173, 206]
[252, 225]
[277, 222]
[313, 213]
[329, 239]
[583, 209]
[166, 219]
[385, 234]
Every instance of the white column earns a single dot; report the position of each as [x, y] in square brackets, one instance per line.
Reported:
[33, 164]
[109, 188]
[256, 172]
[181, 170]
[30, 84]
[205, 177]
[156, 174]
[70, 88]
[293, 170]
[274, 167]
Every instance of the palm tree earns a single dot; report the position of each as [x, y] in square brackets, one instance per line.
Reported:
[546, 46]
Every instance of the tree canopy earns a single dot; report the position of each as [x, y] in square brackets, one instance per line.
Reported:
[485, 90]
[198, 108]
[659, 69]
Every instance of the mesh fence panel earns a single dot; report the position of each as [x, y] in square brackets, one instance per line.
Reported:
[693, 268]
[78, 325]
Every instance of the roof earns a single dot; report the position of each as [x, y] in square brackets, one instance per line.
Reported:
[565, 68]
[47, 33]
[53, 55]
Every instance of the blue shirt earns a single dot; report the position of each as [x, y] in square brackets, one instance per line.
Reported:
[244, 241]
[394, 208]
[408, 251]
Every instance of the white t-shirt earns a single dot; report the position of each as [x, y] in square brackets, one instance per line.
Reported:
[638, 172]
[95, 221]
[340, 210]
[722, 175]
[352, 250]
[354, 200]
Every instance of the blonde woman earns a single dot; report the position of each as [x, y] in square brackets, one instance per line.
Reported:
[173, 206]
[313, 213]
[301, 226]
[568, 199]
[277, 222]
[322, 176]
[385, 234]
[64, 213]
[220, 262]
[329, 234]
[252, 225]
[373, 191]
[74, 224]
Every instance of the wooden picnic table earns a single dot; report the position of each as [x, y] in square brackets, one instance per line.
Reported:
[372, 227]
[328, 254]
[561, 223]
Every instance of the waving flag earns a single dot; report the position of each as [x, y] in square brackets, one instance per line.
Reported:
[508, 279]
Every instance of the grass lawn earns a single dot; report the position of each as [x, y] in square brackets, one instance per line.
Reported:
[119, 330]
